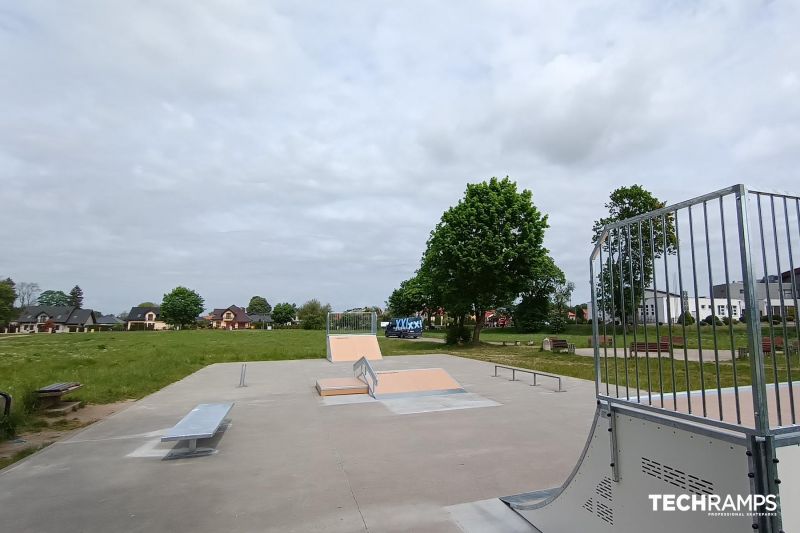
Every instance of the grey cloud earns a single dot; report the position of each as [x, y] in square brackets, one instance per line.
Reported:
[306, 150]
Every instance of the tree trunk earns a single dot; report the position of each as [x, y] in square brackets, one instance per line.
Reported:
[480, 318]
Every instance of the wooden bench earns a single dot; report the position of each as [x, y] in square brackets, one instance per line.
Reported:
[202, 422]
[558, 345]
[766, 345]
[675, 341]
[50, 396]
[646, 347]
[602, 340]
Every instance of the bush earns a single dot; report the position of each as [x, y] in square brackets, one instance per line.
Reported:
[726, 320]
[456, 334]
[712, 319]
[686, 316]
[558, 323]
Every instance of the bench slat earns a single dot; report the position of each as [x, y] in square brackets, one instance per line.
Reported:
[202, 422]
[60, 387]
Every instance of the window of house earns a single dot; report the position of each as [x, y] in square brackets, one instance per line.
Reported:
[151, 316]
[41, 319]
[720, 309]
[228, 315]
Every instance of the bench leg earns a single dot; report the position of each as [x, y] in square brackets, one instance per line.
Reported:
[192, 445]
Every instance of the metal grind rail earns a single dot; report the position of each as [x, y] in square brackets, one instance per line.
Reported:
[535, 373]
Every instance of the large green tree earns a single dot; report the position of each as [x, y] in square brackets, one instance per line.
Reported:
[283, 313]
[259, 305]
[54, 298]
[482, 253]
[410, 298]
[631, 250]
[313, 314]
[181, 307]
[76, 296]
[8, 295]
[533, 310]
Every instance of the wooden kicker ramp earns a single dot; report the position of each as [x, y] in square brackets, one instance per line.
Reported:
[351, 348]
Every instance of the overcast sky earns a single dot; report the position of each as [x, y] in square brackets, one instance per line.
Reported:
[304, 150]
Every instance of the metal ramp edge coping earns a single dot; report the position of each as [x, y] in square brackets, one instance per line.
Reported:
[527, 501]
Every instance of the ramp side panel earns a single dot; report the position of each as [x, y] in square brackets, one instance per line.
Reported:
[653, 459]
[351, 348]
[789, 474]
[339, 386]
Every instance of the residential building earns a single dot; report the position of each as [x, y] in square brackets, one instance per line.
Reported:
[54, 319]
[232, 317]
[107, 322]
[145, 318]
[768, 294]
[260, 321]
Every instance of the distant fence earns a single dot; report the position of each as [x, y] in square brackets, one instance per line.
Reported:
[353, 323]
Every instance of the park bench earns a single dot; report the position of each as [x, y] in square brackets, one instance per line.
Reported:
[202, 422]
[50, 396]
[637, 347]
[675, 340]
[558, 345]
[766, 345]
[602, 340]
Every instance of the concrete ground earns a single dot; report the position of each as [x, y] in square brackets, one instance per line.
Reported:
[293, 461]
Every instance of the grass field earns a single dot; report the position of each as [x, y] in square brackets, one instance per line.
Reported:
[129, 365]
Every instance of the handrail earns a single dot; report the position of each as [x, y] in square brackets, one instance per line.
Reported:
[514, 371]
[362, 368]
[7, 407]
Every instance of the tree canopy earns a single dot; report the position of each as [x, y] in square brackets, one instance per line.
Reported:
[27, 293]
[181, 307]
[631, 251]
[54, 298]
[313, 314]
[283, 313]
[259, 305]
[76, 296]
[410, 298]
[8, 295]
[484, 252]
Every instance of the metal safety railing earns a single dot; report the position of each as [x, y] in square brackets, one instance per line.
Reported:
[701, 299]
[535, 373]
[351, 323]
[364, 371]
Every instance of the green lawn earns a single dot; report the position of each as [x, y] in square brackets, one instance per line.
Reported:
[580, 335]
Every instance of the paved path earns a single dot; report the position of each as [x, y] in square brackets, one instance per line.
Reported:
[693, 354]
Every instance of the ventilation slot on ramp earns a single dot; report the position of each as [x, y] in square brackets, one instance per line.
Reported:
[677, 478]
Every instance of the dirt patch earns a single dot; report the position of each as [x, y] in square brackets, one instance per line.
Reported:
[58, 428]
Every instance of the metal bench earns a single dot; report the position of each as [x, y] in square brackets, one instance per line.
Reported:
[50, 395]
[202, 422]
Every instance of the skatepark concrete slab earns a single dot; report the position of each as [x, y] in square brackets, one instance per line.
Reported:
[289, 460]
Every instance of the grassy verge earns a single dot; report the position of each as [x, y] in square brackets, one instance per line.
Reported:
[580, 335]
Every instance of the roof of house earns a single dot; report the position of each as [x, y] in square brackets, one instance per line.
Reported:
[255, 317]
[138, 313]
[239, 314]
[58, 314]
[108, 320]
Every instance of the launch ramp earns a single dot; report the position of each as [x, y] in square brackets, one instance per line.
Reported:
[351, 336]
[657, 457]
